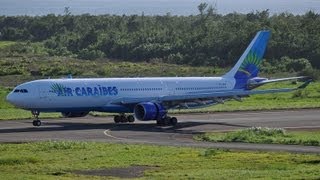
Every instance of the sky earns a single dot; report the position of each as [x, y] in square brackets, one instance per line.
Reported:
[152, 7]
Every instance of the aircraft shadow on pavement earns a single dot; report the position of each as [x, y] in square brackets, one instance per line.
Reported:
[142, 127]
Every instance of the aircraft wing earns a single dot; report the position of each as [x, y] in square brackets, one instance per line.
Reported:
[217, 94]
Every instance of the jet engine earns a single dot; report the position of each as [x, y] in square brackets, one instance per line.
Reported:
[149, 111]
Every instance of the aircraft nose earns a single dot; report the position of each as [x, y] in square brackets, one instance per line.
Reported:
[9, 98]
[12, 99]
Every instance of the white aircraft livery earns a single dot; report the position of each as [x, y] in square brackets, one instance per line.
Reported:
[147, 98]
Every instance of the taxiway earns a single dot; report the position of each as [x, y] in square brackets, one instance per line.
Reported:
[103, 129]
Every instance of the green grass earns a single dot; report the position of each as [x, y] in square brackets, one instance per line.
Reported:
[264, 136]
[57, 160]
[3, 94]
[13, 114]
[4, 44]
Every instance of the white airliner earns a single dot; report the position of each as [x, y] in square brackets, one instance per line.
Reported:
[147, 98]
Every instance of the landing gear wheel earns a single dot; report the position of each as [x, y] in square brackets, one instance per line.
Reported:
[123, 118]
[167, 121]
[173, 121]
[130, 118]
[117, 119]
[160, 122]
[36, 123]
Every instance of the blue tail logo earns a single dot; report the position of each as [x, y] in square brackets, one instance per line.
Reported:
[249, 64]
[250, 67]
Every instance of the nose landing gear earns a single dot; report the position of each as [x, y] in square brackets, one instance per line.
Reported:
[36, 122]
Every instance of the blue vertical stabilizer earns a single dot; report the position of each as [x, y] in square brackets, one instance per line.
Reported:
[248, 66]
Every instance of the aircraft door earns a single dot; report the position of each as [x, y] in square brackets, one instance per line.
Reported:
[44, 94]
[171, 86]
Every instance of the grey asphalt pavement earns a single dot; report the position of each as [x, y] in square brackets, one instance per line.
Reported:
[102, 129]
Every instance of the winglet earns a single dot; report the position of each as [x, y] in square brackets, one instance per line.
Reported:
[305, 84]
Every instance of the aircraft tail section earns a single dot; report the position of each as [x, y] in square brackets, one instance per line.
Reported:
[248, 66]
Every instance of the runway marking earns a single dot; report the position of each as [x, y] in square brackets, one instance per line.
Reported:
[106, 132]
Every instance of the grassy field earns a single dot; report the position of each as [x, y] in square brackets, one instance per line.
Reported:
[16, 70]
[59, 160]
[13, 114]
[307, 98]
[264, 136]
[4, 44]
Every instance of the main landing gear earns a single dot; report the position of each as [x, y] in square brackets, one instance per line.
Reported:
[123, 118]
[167, 121]
[36, 122]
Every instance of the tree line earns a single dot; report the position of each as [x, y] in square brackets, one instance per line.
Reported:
[208, 38]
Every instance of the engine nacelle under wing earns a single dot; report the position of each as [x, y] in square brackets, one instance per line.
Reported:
[149, 111]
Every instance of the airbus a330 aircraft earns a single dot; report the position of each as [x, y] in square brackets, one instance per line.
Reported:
[147, 98]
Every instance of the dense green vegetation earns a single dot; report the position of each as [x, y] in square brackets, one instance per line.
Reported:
[59, 160]
[265, 136]
[204, 39]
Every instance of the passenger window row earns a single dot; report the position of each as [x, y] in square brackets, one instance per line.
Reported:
[200, 88]
[141, 89]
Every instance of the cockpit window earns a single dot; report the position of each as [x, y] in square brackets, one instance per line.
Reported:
[20, 91]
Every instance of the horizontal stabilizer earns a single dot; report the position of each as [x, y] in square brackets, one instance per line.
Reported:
[304, 85]
[256, 82]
